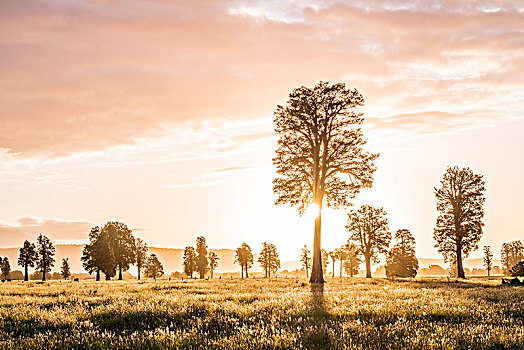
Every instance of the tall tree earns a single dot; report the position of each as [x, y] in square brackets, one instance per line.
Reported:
[213, 262]
[488, 258]
[189, 261]
[401, 260]
[65, 270]
[141, 254]
[460, 202]
[511, 253]
[5, 268]
[305, 259]
[319, 156]
[46, 253]
[27, 257]
[122, 245]
[368, 227]
[268, 259]
[353, 260]
[201, 259]
[98, 255]
[154, 268]
[244, 257]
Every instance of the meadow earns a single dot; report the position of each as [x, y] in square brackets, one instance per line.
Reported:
[281, 313]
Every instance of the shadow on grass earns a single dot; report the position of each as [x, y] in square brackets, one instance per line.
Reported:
[319, 322]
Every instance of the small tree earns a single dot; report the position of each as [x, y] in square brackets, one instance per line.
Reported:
[244, 257]
[511, 253]
[488, 258]
[27, 257]
[201, 258]
[325, 259]
[353, 259]
[305, 259]
[401, 260]
[141, 254]
[213, 262]
[342, 256]
[319, 157]
[268, 259]
[46, 253]
[98, 255]
[517, 270]
[5, 268]
[460, 203]
[122, 245]
[189, 261]
[334, 257]
[66, 269]
[368, 227]
[154, 268]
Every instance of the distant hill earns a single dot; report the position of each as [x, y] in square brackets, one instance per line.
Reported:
[171, 258]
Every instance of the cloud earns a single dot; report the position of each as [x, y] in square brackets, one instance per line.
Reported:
[88, 76]
[13, 234]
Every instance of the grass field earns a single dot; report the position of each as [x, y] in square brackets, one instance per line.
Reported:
[261, 314]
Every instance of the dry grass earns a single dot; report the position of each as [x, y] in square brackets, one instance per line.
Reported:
[262, 314]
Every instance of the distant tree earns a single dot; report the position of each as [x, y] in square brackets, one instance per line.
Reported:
[401, 260]
[189, 261]
[98, 255]
[459, 224]
[141, 254]
[305, 259]
[319, 157]
[511, 253]
[46, 253]
[334, 257]
[213, 262]
[244, 257]
[65, 271]
[325, 259]
[268, 259]
[488, 258]
[122, 244]
[154, 268]
[368, 227]
[518, 269]
[353, 259]
[27, 257]
[201, 259]
[342, 256]
[5, 269]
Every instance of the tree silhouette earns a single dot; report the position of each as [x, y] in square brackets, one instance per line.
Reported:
[154, 268]
[459, 224]
[368, 226]
[268, 259]
[65, 269]
[401, 260]
[189, 261]
[488, 258]
[325, 259]
[201, 259]
[244, 257]
[319, 156]
[141, 254]
[334, 257]
[342, 256]
[5, 268]
[27, 257]
[98, 255]
[305, 259]
[46, 253]
[122, 244]
[353, 260]
[511, 253]
[213, 262]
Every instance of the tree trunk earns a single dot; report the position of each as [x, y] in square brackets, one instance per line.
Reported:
[333, 268]
[26, 277]
[138, 266]
[107, 276]
[307, 271]
[488, 272]
[368, 266]
[211, 274]
[98, 274]
[460, 268]
[241, 271]
[119, 273]
[341, 263]
[247, 275]
[43, 273]
[317, 276]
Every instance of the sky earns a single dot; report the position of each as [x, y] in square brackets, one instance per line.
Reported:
[160, 114]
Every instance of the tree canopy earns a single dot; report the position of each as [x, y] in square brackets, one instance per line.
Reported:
[201, 258]
[319, 156]
[511, 253]
[244, 257]
[154, 268]
[189, 263]
[268, 259]
[401, 259]
[27, 257]
[46, 253]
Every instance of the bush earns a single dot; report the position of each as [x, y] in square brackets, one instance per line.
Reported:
[517, 270]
